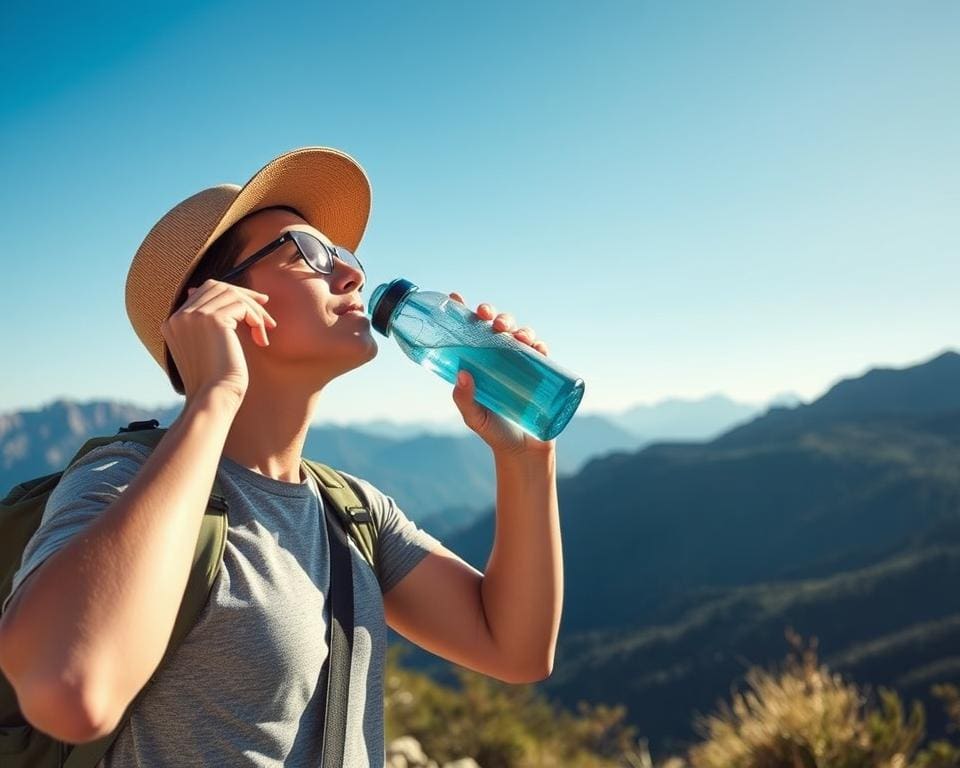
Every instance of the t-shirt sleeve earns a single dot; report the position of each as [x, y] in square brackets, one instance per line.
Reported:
[84, 491]
[402, 544]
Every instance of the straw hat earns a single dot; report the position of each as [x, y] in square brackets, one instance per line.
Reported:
[327, 186]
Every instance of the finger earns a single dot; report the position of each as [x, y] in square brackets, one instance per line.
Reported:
[486, 311]
[474, 415]
[212, 286]
[260, 298]
[219, 285]
[541, 347]
[203, 293]
[525, 334]
[257, 318]
[212, 297]
[197, 293]
[212, 302]
[503, 322]
[254, 320]
[457, 297]
[239, 309]
[268, 318]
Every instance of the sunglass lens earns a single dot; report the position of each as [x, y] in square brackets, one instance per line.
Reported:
[320, 257]
[315, 252]
[348, 257]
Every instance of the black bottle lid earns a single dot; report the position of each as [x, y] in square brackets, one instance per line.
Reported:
[387, 301]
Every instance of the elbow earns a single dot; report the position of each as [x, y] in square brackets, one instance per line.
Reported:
[539, 673]
[530, 665]
[546, 670]
[66, 706]
[541, 666]
[67, 711]
[532, 673]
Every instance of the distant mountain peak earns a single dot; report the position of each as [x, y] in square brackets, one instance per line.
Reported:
[785, 400]
[678, 418]
[929, 387]
[711, 399]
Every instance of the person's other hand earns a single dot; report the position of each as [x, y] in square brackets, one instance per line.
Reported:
[203, 336]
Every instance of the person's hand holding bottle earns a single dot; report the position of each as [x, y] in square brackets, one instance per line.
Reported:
[497, 432]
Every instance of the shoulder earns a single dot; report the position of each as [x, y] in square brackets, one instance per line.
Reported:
[387, 514]
[118, 449]
[371, 496]
[112, 464]
[120, 452]
[84, 490]
[401, 543]
[360, 486]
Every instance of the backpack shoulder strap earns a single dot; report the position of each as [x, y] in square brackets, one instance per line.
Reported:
[352, 513]
[207, 557]
[143, 432]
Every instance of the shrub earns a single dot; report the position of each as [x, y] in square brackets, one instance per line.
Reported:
[500, 725]
[803, 716]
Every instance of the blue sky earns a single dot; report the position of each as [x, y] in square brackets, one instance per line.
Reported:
[681, 197]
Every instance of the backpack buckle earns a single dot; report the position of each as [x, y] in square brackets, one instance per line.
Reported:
[136, 426]
[359, 514]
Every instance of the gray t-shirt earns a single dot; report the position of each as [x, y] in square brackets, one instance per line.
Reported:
[244, 687]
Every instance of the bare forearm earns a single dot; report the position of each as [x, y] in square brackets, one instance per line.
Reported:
[96, 617]
[522, 589]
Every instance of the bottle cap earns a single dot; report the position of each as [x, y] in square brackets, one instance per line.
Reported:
[385, 299]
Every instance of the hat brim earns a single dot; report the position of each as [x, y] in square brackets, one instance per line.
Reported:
[327, 186]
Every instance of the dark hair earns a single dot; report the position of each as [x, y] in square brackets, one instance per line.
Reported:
[219, 257]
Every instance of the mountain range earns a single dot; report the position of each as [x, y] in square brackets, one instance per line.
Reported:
[440, 473]
[426, 474]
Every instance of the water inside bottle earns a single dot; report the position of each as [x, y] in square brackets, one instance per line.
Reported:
[515, 383]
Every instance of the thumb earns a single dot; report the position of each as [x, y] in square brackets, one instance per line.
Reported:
[474, 414]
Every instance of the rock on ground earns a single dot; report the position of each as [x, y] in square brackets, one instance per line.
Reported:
[406, 752]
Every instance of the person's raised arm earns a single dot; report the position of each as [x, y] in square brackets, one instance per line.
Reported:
[89, 626]
[503, 623]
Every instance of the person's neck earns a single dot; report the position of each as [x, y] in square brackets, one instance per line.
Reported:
[270, 428]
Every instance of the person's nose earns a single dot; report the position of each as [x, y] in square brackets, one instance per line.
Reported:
[347, 277]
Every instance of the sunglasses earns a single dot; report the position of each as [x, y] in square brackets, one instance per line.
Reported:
[318, 255]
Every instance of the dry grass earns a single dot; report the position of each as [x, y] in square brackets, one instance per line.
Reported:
[803, 716]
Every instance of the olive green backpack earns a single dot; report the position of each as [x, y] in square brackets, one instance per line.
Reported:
[22, 746]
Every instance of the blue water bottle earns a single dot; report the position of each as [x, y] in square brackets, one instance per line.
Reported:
[512, 379]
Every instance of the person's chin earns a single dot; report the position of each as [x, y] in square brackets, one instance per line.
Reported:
[364, 355]
[371, 350]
